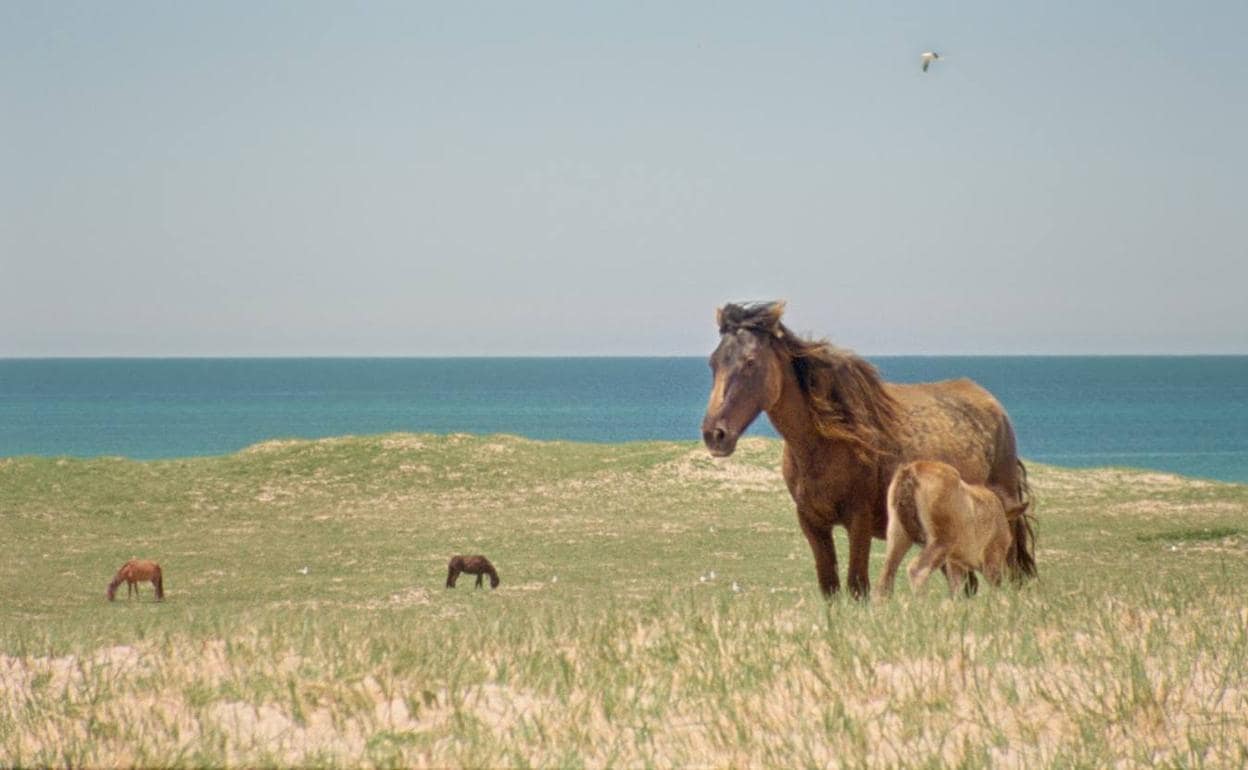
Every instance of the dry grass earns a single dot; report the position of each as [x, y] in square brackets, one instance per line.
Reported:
[616, 637]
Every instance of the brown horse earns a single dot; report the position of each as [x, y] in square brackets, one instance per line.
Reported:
[134, 572]
[845, 432]
[474, 565]
[962, 527]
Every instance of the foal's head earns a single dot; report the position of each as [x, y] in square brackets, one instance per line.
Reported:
[747, 372]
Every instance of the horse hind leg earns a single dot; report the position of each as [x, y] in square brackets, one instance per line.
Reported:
[898, 543]
[994, 567]
[956, 577]
[921, 568]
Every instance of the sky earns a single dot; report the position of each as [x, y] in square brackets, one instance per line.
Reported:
[433, 179]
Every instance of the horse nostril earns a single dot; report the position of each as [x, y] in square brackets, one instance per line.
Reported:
[718, 435]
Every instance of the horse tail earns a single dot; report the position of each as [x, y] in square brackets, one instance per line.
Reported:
[902, 502]
[159, 582]
[1022, 556]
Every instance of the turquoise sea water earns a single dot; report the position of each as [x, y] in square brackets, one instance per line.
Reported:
[1183, 414]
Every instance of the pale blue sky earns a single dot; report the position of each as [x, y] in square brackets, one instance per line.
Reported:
[565, 178]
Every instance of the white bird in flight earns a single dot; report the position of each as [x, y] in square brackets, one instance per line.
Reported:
[927, 57]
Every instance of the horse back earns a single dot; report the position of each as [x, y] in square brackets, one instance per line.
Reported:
[956, 422]
[141, 569]
[473, 565]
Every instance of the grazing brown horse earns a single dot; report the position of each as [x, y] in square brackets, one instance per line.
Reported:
[134, 572]
[474, 565]
[845, 432]
[962, 527]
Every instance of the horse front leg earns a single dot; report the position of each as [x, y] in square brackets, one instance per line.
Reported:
[820, 538]
[860, 526]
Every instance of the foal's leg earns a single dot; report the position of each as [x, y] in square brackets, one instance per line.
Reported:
[824, 550]
[956, 575]
[994, 566]
[898, 543]
[929, 558]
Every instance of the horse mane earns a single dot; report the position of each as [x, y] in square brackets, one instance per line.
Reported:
[845, 393]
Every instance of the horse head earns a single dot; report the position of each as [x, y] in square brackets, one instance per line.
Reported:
[747, 371]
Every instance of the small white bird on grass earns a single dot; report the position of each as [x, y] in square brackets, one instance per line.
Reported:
[927, 57]
[736, 587]
[302, 570]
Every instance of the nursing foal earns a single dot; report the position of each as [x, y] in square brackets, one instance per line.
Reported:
[961, 526]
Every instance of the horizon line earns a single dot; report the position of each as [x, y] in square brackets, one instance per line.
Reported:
[588, 356]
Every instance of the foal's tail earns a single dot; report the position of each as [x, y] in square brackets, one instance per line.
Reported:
[1022, 557]
[159, 582]
[902, 507]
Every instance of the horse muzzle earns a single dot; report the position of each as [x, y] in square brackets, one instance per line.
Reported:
[720, 440]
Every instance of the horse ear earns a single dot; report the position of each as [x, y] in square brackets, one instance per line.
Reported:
[774, 311]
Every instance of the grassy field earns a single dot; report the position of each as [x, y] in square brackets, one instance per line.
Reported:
[656, 608]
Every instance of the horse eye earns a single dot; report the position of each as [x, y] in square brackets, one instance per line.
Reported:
[749, 363]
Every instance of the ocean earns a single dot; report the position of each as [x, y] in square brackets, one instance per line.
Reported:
[1187, 415]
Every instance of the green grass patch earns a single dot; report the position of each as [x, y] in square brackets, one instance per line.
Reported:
[1190, 535]
[657, 608]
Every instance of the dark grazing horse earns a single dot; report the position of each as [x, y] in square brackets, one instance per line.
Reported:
[474, 565]
[845, 432]
[134, 572]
